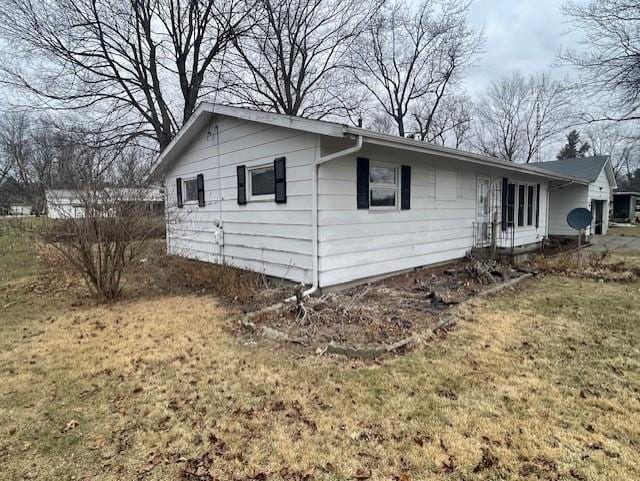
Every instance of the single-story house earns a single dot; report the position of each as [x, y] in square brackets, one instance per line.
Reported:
[70, 204]
[20, 209]
[625, 206]
[594, 193]
[328, 204]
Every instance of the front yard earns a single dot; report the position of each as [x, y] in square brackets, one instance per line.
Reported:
[541, 383]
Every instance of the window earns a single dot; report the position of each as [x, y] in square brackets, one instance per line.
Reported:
[262, 183]
[383, 187]
[190, 190]
[511, 204]
[530, 205]
[521, 205]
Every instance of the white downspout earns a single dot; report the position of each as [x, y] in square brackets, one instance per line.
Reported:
[318, 160]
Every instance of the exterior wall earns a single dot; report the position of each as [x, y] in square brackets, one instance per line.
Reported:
[360, 243]
[19, 209]
[601, 190]
[561, 201]
[261, 236]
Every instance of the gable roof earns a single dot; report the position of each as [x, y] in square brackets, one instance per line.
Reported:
[206, 111]
[585, 168]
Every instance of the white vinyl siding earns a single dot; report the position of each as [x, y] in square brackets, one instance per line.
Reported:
[564, 199]
[358, 244]
[261, 236]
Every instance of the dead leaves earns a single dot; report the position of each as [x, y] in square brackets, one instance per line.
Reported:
[69, 426]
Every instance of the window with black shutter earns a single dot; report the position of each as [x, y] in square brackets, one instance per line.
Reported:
[537, 206]
[200, 186]
[280, 177]
[362, 181]
[405, 186]
[179, 192]
[242, 184]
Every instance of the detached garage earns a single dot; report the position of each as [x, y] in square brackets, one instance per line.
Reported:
[600, 180]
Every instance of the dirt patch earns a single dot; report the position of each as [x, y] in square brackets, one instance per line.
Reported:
[385, 312]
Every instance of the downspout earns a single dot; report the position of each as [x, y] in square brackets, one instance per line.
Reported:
[318, 160]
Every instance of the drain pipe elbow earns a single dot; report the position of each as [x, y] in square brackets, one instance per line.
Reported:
[316, 276]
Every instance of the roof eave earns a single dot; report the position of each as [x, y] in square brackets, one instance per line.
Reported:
[423, 147]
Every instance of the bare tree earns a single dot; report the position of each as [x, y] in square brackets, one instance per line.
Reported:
[128, 59]
[610, 60]
[517, 117]
[620, 141]
[293, 60]
[415, 55]
[448, 125]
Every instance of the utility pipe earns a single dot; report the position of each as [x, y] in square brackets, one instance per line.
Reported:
[319, 160]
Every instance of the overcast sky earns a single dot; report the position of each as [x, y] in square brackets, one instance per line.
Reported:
[520, 34]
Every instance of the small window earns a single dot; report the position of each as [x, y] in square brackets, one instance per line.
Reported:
[190, 190]
[262, 183]
[530, 205]
[383, 187]
[521, 206]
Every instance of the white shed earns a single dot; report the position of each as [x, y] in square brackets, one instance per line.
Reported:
[70, 204]
[328, 204]
[600, 180]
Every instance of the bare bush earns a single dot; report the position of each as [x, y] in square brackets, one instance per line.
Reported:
[102, 232]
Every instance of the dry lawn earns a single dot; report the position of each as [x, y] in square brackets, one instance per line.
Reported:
[625, 231]
[543, 383]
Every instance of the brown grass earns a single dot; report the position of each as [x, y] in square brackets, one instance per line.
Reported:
[537, 384]
[625, 231]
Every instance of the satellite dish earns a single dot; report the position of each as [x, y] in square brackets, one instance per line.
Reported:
[579, 218]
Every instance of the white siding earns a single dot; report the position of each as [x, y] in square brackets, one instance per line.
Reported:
[562, 200]
[569, 197]
[262, 236]
[601, 190]
[360, 243]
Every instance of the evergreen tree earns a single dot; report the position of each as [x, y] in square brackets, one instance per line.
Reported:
[574, 147]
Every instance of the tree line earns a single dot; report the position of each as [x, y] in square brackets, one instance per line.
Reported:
[131, 72]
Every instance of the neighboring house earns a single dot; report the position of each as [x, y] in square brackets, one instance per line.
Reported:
[70, 204]
[625, 206]
[328, 204]
[20, 209]
[600, 180]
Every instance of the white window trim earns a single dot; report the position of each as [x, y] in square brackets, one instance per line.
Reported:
[258, 198]
[525, 210]
[395, 188]
[184, 191]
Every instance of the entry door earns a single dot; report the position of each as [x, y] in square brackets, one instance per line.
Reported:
[483, 217]
[597, 208]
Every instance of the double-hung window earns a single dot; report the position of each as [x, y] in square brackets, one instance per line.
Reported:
[262, 182]
[383, 187]
[190, 190]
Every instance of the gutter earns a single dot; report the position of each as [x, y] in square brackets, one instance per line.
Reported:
[319, 160]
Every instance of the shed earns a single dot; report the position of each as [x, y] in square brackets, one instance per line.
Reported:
[20, 209]
[70, 204]
[625, 206]
[328, 204]
[594, 193]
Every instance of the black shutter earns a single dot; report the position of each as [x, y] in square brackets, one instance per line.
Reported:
[200, 182]
[537, 206]
[505, 186]
[362, 178]
[242, 184]
[179, 192]
[405, 186]
[280, 176]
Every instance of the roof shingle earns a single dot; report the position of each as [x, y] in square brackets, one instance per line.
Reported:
[586, 168]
